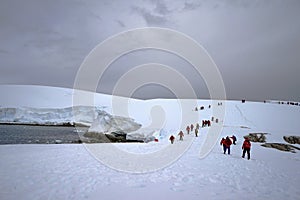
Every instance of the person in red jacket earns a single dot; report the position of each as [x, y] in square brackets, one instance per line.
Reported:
[180, 135]
[188, 130]
[172, 138]
[192, 127]
[226, 144]
[246, 148]
[222, 141]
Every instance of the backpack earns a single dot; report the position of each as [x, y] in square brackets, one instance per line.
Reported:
[247, 144]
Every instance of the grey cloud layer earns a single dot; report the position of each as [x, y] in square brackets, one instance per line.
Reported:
[254, 43]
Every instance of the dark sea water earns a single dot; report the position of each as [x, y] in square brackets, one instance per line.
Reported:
[25, 134]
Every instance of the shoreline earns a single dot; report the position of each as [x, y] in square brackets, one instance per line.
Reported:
[67, 124]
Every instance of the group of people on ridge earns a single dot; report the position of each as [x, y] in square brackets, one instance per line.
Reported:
[226, 142]
[188, 130]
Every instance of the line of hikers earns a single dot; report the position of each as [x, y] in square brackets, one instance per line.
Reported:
[226, 142]
[209, 106]
[188, 130]
[191, 129]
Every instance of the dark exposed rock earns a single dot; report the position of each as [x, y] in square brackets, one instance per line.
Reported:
[77, 141]
[257, 137]
[281, 147]
[117, 136]
[246, 127]
[292, 139]
[96, 137]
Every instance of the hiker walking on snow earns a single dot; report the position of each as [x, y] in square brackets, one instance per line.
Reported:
[196, 132]
[188, 130]
[197, 126]
[222, 141]
[226, 144]
[192, 127]
[246, 148]
[172, 138]
[233, 139]
[180, 135]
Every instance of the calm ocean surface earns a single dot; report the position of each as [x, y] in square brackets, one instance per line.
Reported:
[24, 134]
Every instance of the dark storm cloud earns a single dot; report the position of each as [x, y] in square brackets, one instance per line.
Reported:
[255, 44]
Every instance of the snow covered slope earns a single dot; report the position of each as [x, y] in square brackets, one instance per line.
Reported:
[74, 171]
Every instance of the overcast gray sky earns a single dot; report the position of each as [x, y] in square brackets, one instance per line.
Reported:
[255, 44]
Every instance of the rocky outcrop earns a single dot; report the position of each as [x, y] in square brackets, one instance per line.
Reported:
[292, 139]
[261, 137]
[257, 137]
[110, 137]
[93, 137]
[281, 147]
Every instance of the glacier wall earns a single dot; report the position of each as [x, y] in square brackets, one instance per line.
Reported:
[96, 117]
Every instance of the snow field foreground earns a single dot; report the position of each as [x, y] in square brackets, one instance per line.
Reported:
[71, 171]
